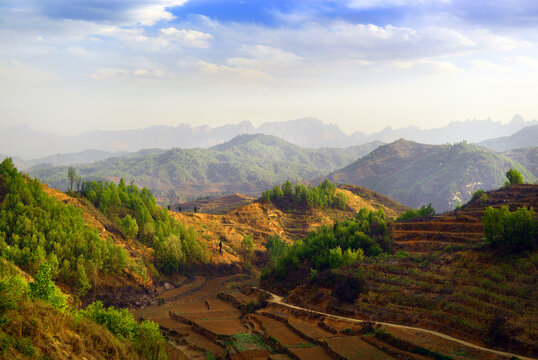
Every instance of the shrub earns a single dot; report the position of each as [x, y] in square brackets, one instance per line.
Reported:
[424, 210]
[479, 194]
[43, 288]
[146, 336]
[514, 177]
[511, 232]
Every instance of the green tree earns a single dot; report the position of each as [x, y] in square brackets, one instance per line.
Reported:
[247, 244]
[83, 284]
[512, 232]
[129, 227]
[287, 188]
[514, 177]
[43, 288]
[336, 259]
[72, 175]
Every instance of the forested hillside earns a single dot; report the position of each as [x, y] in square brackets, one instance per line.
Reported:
[247, 164]
[417, 174]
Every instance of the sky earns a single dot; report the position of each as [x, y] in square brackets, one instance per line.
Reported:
[68, 66]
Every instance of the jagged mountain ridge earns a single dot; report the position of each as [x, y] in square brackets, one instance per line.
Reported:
[311, 133]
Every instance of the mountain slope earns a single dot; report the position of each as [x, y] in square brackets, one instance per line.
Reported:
[527, 157]
[442, 276]
[526, 137]
[417, 174]
[247, 164]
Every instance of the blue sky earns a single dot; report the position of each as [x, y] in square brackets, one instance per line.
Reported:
[71, 65]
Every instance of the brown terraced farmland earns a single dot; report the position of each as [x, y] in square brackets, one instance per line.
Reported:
[442, 278]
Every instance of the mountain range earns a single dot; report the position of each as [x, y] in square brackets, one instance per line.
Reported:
[526, 137]
[417, 174]
[21, 141]
[246, 164]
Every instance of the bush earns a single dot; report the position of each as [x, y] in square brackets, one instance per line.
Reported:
[331, 247]
[480, 194]
[514, 177]
[43, 288]
[146, 336]
[424, 210]
[512, 232]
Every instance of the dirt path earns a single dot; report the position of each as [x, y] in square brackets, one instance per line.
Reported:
[280, 300]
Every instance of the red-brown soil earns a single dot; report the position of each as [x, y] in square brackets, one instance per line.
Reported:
[447, 279]
[220, 205]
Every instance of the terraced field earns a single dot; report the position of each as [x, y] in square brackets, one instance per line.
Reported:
[214, 319]
[442, 278]
[445, 279]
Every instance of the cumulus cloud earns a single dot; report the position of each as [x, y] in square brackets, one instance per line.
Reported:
[428, 67]
[230, 71]
[189, 38]
[168, 37]
[124, 74]
[265, 57]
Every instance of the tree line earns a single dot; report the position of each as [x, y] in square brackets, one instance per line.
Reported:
[136, 213]
[322, 196]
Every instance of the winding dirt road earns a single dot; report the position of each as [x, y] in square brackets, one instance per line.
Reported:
[280, 300]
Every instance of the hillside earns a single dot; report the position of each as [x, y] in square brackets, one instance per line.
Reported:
[417, 174]
[246, 164]
[526, 137]
[218, 205]
[262, 221]
[527, 157]
[442, 276]
[82, 157]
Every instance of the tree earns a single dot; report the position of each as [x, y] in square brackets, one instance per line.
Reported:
[72, 175]
[43, 288]
[514, 177]
[247, 244]
[129, 227]
[83, 284]
[287, 189]
[512, 232]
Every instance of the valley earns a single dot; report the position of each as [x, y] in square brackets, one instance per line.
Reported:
[423, 288]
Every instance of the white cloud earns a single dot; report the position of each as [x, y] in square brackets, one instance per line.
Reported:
[428, 67]
[149, 14]
[230, 71]
[487, 66]
[189, 38]
[366, 4]
[266, 58]
[523, 60]
[124, 74]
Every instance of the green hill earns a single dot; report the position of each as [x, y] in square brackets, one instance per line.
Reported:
[417, 174]
[247, 164]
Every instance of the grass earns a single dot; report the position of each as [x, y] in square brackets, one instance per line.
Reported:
[246, 342]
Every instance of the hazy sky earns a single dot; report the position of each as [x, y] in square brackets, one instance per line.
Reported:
[68, 66]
